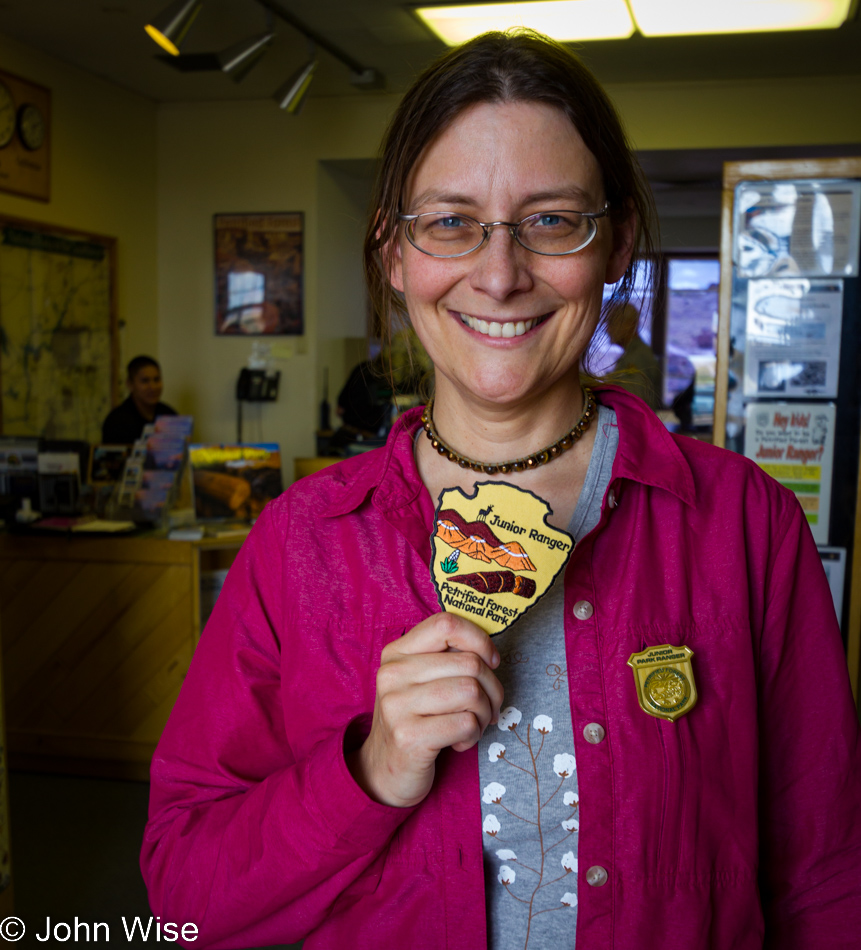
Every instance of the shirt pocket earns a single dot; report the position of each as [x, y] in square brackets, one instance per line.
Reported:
[688, 788]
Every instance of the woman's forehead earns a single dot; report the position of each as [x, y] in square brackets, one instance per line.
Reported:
[526, 150]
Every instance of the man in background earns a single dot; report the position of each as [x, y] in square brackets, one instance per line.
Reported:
[637, 369]
[124, 424]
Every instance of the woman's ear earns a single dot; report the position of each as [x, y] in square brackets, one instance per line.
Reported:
[624, 235]
[390, 254]
[394, 263]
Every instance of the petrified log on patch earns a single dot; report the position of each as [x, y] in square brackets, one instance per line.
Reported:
[497, 582]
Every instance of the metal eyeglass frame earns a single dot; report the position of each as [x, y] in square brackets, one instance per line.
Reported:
[513, 228]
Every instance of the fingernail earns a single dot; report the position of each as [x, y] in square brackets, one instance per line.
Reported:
[494, 660]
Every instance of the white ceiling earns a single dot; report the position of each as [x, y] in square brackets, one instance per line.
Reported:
[106, 37]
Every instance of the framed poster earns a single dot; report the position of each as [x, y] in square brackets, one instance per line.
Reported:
[58, 363]
[259, 263]
[25, 137]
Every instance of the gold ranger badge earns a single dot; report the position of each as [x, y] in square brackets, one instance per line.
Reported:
[665, 681]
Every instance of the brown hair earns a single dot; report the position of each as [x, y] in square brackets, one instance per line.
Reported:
[515, 66]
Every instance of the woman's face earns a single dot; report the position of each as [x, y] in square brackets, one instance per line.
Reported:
[502, 162]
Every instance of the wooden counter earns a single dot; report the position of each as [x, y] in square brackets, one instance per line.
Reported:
[98, 634]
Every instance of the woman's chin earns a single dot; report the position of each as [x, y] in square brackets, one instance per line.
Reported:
[505, 390]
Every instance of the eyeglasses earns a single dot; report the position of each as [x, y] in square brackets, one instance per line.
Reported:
[552, 233]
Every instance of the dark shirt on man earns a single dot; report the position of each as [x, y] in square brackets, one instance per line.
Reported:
[124, 424]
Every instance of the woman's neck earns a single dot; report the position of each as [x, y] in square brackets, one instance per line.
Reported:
[498, 434]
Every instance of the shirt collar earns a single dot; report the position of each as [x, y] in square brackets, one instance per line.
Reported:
[647, 452]
[390, 473]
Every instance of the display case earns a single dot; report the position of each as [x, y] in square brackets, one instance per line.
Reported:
[788, 376]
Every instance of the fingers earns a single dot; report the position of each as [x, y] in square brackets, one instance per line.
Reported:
[444, 631]
[447, 671]
[435, 689]
[439, 697]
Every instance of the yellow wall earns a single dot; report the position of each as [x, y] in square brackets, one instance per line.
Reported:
[247, 157]
[817, 111]
[103, 179]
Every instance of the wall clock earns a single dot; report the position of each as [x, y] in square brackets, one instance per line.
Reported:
[25, 137]
[31, 127]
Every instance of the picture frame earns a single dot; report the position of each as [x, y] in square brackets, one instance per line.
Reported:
[259, 270]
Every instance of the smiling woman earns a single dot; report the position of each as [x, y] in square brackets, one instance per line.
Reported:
[353, 761]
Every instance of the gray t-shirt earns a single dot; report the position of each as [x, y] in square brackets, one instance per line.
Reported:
[527, 769]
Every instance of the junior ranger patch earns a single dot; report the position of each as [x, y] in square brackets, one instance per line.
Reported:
[664, 678]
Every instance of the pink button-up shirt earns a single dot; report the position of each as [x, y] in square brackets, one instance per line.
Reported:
[735, 827]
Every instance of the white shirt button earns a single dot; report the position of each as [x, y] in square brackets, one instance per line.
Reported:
[583, 610]
[596, 876]
[611, 499]
[594, 733]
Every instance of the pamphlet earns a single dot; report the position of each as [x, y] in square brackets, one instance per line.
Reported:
[793, 338]
[794, 443]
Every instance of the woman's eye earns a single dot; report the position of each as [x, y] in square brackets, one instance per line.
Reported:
[450, 222]
[549, 220]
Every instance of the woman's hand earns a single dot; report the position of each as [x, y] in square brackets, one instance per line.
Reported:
[435, 688]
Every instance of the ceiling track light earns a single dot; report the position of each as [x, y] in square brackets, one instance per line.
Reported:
[238, 60]
[171, 26]
[360, 75]
[291, 95]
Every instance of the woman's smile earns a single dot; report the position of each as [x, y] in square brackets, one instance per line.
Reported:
[505, 329]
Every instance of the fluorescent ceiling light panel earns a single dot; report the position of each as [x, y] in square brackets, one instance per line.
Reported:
[565, 20]
[687, 17]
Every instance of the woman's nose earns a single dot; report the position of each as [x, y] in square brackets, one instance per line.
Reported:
[501, 266]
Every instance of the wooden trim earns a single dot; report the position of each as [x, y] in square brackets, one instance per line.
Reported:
[784, 169]
[724, 316]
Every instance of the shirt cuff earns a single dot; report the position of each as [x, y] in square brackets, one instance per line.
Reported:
[344, 807]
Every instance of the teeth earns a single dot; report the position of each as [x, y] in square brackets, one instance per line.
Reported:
[490, 328]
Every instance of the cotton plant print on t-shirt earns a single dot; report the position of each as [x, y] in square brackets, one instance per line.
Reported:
[530, 805]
